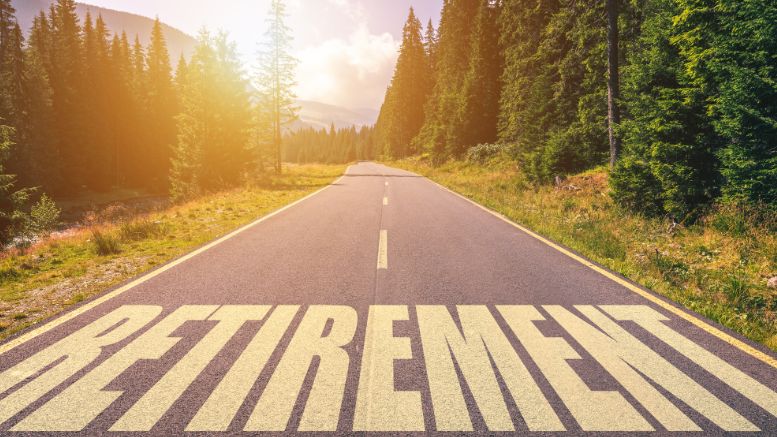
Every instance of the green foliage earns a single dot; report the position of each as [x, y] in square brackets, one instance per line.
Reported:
[554, 102]
[729, 48]
[481, 90]
[214, 124]
[161, 109]
[402, 113]
[483, 152]
[44, 217]
[20, 223]
[12, 200]
[701, 99]
[635, 187]
[462, 108]
[334, 146]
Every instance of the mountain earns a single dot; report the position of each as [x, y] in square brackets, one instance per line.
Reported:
[321, 115]
[177, 41]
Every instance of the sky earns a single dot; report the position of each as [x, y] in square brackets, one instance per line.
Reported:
[347, 49]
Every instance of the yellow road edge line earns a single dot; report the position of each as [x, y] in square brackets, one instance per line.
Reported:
[64, 318]
[383, 250]
[684, 314]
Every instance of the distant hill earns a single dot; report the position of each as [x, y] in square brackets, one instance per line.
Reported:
[312, 114]
[321, 115]
[177, 41]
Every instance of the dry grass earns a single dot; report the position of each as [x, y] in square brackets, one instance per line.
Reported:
[115, 244]
[718, 267]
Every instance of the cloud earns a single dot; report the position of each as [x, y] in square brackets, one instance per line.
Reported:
[351, 72]
[354, 10]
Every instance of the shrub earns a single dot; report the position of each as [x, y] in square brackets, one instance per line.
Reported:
[483, 152]
[141, 230]
[44, 216]
[635, 188]
[105, 244]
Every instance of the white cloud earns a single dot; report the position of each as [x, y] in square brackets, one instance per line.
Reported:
[350, 72]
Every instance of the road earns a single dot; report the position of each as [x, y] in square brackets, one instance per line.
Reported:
[383, 303]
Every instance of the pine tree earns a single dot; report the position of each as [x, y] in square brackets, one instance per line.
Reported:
[402, 114]
[669, 163]
[442, 111]
[482, 85]
[333, 145]
[7, 24]
[40, 158]
[161, 108]
[554, 102]
[11, 62]
[430, 44]
[14, 99]
[97, 105]
[12, 200]
[728, 49]
[213, 150]
[275, 76]
[124, 118]
[181, 72]
[66, 76]
[613, 79]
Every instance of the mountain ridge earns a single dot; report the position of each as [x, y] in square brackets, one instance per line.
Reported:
[178, 42]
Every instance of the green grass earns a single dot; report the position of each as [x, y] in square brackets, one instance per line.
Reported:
[57, 273]
[718, 267]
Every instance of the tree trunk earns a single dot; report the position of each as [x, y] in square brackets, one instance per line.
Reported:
[613, 83]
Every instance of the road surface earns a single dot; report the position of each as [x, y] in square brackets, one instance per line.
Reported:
[383, 303]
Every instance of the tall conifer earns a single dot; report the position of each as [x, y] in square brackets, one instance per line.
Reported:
[161, 108]
[402, 114]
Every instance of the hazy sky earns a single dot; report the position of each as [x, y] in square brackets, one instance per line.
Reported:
[347, 48]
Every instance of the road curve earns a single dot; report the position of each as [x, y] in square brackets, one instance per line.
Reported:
[383, 303]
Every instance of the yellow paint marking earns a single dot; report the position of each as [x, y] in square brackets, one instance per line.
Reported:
[387, 183]
[653, 322]
[226, 399]
[145, 278]
[76, 351]
[479, 338]
[594, 410]
[385, 201]
[379, 407]
[324, 404]
[81, 402]
[157, 401]
[383, 250]
[699, 323]
[625, 358]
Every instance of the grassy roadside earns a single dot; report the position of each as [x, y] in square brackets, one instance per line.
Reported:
[718, 267]
[114, 246]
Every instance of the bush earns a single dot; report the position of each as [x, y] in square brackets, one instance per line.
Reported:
[483, 152]
[635, 188]
[141, 230]
[105, 244]
[44, 217]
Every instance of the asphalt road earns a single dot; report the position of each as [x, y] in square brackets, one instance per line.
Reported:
[383, 303]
